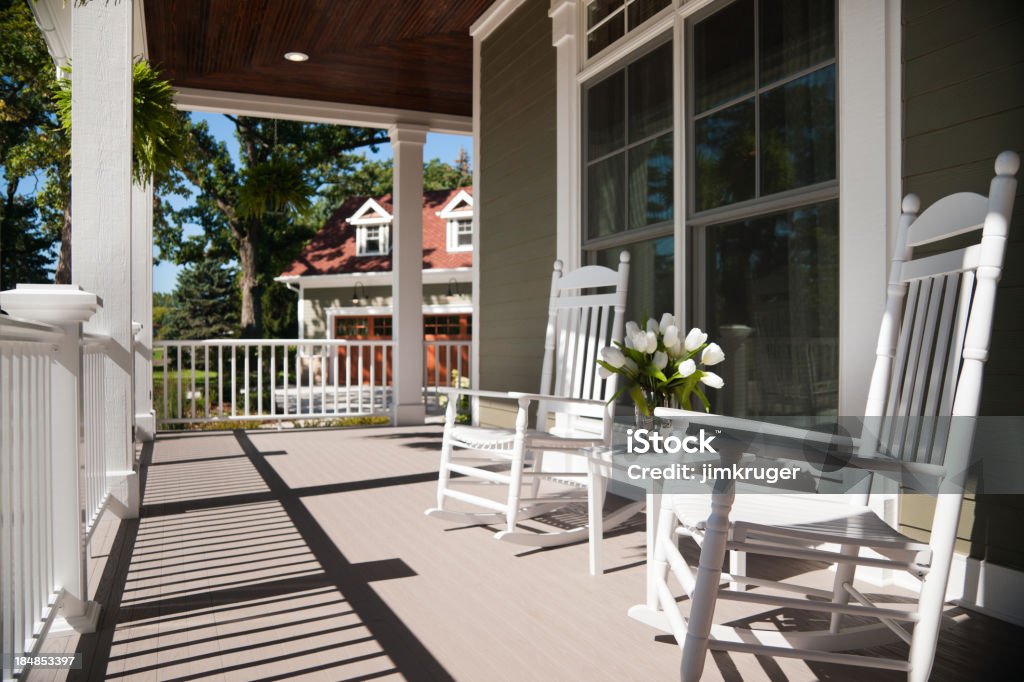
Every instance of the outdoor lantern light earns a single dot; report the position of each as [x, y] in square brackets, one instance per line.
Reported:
[452, 282]
[355, 292]
[296, 56]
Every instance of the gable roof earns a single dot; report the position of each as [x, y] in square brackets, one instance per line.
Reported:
[333, 249]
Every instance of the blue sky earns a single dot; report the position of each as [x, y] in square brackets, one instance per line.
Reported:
[444, 147]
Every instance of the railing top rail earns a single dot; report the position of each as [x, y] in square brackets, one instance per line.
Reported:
[95, 341]
[19, 329]
[272, 342]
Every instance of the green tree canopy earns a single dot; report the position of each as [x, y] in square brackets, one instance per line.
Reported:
[204, 304]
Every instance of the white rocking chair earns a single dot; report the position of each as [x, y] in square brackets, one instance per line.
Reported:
[932, 347]
[585, 313]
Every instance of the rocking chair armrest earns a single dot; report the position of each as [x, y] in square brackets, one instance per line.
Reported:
[534, 397]
[476, 392]
[777, 431]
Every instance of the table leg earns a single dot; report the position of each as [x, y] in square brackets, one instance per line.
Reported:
[595, 512]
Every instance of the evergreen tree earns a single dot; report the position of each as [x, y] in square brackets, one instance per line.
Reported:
[204, 304]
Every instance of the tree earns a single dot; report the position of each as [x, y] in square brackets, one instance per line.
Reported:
[253, 211]
[30, 144]
[204, 304]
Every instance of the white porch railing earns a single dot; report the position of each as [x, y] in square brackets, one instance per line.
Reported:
[55, 480]
[27, 595]
[238, 380]
[270, 379]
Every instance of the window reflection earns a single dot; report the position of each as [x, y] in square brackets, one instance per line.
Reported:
[651, 284]
[772, 303]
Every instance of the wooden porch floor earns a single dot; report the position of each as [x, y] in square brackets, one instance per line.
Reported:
[305, 554]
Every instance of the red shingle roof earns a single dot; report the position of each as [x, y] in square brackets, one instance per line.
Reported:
[333, 249]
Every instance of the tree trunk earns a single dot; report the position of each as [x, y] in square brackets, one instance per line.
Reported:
[252, 314]
[63, 274]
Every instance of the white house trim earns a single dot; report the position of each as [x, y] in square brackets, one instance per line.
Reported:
[474, 352]
[370, 205]
[373, 279]
[449, 211]
[568, 132]
[316, 111]
[491, 19]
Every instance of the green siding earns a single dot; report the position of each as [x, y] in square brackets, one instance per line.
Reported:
[963, 103]
[516, 199]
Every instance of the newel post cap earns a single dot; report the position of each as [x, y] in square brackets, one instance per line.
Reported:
[50, 303]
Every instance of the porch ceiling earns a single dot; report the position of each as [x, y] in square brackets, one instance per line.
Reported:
[397, 54]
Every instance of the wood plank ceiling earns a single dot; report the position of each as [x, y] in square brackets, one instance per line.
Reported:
[404, 54]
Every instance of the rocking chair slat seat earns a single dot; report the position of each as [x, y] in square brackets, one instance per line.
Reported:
[503, 439]
[806, 519]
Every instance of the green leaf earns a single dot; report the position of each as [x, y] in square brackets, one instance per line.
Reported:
[703, 399]
[637, 394]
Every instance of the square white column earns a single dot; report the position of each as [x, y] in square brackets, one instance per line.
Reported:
[407, 273]
[101, 187]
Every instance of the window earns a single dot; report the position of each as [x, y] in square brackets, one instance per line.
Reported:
[350, 327]
[609, 20]
[460, 234]
[372, 240]
[764, 200]
[446, 325]
[628, 175]
[763, 100]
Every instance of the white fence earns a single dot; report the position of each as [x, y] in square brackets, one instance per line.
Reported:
[236, 380]
[53, 485]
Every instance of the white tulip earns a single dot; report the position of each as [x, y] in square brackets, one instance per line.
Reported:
[652, 342]
[674, 350]
[637, 341]
[603, 372]
[711, 379]
[667, 320]
[613, 356]
[712, 354]
[660, 360]
[671, 333]
[694, 340]
[652, 325]
[631, 329]
[630, 366]
[687, 367]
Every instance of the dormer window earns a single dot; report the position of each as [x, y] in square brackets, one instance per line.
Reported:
[372, 240]
[373, 229]
[459, 214]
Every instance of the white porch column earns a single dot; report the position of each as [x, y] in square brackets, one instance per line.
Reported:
[407, 273]
[101, 165]
[142, 309]
[563, 15]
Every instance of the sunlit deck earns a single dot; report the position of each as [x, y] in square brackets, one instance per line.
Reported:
[290, 554]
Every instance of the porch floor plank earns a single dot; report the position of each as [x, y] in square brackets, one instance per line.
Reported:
[306, 555]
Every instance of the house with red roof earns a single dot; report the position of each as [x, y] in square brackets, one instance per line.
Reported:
[344, 277]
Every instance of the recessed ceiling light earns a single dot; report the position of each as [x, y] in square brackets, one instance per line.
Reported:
[296, 56]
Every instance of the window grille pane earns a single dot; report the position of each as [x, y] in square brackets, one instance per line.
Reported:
[772, 301]
[642, 10]
[606, 115]
[798, 132]
[795, 35]
[606, 34]
[723, 53]
[651, 289]
[650, 182]
[605, 211]
[724, 156]
[650, 94]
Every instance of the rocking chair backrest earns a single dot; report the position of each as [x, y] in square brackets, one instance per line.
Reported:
[935, 333]
[585, 314]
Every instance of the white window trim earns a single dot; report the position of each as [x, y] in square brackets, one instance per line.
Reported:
[383, 236]
[453, 234]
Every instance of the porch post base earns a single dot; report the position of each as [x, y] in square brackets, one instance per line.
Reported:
[82, 616]
[410, 414]
[145, 427]
[125, 498]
